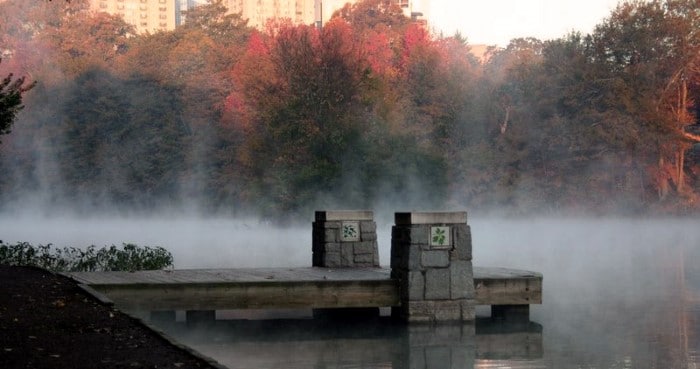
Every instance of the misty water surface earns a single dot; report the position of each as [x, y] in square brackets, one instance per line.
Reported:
[618, 293]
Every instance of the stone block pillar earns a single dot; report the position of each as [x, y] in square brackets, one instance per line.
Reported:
[431, 257]
[345, 239]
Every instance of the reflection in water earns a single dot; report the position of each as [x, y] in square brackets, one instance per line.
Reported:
[689, 320]
[614, 294]
[498, 340]
[617, 294]
[659, 333]
[373, 343]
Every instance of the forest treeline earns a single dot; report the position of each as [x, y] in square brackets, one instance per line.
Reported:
[372, 109]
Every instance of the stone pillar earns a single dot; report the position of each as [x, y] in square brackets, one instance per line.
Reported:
[345, 239]
[431, 257]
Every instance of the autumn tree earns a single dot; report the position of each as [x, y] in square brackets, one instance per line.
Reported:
[651, 49]
[385, 16]
[213, 18]
[23, 26]
[88, 40]
[300, 101]
[370, 107]
[603, 113]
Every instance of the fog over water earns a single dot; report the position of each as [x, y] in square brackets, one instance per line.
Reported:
[579, 245]
[618, 293]
[195, 242]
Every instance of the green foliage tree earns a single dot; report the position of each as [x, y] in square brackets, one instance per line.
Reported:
[127, 146]
[197, 58]
[11, 91]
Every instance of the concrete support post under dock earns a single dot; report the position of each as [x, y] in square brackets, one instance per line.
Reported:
[431, 257]
[511, 312]
[200, 317]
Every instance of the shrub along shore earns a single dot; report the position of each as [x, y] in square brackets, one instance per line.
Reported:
[129, 257]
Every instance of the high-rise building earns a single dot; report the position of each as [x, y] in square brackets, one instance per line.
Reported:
[145, 15]
[326, 8]
[165, 15]
[183, 5]
[259, 11]
[298, 11]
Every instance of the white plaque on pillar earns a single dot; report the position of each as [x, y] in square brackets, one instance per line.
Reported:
[440, 237]
[349, 231]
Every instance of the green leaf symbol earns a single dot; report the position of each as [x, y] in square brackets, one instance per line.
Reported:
[439, 236]
[349, 231]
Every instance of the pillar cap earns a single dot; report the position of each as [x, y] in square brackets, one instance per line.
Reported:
[447, 217]
[331, 215]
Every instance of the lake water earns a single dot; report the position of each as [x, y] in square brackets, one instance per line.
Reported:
[618, 293]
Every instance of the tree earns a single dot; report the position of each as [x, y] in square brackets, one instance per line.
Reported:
[88, 40]
[213, 18]
[23, 25]
[652, 48]
[197, 58]
[11, 91]
[300, 100]
[382, 15]
[124, 148]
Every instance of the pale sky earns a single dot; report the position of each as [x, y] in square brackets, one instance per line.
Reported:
[495, 22]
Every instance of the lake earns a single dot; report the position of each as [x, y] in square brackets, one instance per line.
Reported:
[618, 293]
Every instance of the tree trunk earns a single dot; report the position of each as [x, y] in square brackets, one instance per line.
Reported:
[683, 118]
[662, 179]
[680, 159]
[504, 125]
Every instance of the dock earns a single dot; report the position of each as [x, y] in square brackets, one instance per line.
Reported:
[289, 288]
[431, 277]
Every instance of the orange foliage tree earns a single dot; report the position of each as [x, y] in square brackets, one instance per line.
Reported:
[299, 103]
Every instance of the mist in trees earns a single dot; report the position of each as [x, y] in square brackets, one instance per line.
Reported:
[372, 109]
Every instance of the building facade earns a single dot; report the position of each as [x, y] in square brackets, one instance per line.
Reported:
[145, 15]
[164, 15]
[181, 6]
[259, 11]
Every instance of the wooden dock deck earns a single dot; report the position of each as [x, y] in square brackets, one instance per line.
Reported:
[284, 288]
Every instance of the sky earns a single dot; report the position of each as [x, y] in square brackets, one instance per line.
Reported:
[496, 22]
